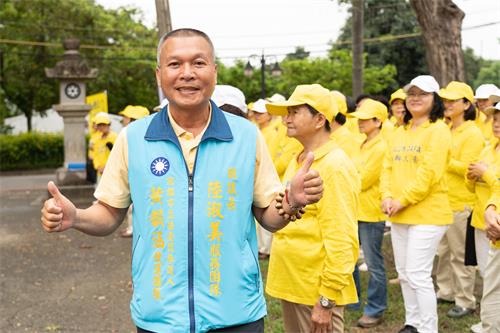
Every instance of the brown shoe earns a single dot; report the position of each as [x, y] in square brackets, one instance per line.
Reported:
[367, 321]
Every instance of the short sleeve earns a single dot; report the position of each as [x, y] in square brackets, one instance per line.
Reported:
[113, 188]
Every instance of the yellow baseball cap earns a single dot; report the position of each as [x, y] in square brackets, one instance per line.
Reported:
[341, 101]
[314, 95]
[102, 118]
[492, 109]
[370, 109]
[457, 90]
[398, 94]
[134, 112]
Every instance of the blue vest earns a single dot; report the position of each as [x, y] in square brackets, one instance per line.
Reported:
[194, 254]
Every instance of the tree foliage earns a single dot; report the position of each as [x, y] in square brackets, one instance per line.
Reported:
[332, 72]
[390, 18]
[127, 80]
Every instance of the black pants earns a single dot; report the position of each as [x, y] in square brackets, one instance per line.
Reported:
[254, 327]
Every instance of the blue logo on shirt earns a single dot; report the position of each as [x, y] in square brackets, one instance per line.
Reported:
[159, 166]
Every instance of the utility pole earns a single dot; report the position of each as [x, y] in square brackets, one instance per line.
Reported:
[163, 17]
[164, 23]
[357, 47]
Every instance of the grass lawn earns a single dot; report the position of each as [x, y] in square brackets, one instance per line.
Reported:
[394, 315]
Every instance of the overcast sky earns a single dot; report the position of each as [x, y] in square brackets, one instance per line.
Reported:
[275, 27]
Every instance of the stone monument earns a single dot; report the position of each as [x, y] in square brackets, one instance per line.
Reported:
[72, 71]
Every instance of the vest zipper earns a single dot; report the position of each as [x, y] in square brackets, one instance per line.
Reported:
[190, 253]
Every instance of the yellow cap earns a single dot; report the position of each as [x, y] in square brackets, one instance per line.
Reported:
[313, 95]
[492, 109]
[341, 101]
[457, 90]
[370, 109]
[135, 112]
[102, 118]
[250, 105]
[398, 94]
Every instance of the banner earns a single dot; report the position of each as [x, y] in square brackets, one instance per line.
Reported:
[99, 103]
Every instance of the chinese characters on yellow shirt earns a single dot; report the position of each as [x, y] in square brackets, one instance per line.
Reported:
[216, 221]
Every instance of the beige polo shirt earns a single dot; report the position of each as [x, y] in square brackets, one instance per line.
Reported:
[114, 188]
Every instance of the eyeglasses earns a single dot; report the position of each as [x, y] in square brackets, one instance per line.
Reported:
[418, 95]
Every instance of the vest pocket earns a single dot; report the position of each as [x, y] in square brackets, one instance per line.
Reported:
[251, 267]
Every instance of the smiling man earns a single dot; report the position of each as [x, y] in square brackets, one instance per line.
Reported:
[197, 177]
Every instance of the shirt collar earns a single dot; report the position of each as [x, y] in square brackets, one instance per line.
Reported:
[321, 151]
[161, 128]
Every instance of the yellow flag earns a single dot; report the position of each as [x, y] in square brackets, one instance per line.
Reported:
[99, 103]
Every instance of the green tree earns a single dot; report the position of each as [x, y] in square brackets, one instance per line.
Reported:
[332, 72]
[389, 18]
[299, 54]
[489, 74]
[126, 73]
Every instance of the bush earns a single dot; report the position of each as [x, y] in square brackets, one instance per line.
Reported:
[31, 151]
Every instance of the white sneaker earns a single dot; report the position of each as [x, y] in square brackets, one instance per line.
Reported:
[363, 267]
[477, 328]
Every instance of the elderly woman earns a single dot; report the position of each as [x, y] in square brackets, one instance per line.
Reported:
[312, 260]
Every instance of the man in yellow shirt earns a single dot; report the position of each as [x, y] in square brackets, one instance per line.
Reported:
[312, 260]
[197, 182]
[103, 143]
[371, 221]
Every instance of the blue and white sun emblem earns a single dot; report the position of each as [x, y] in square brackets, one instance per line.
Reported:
[160, 166]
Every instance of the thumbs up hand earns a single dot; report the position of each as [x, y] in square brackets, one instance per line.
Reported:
[58, 213]
[306, 187]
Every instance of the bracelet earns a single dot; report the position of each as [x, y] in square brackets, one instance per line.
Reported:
[281, 211]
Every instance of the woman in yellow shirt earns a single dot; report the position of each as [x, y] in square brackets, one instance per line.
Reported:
[483, 119]
[312, 260]
[414, 197]
[454, 280]
[481, 178]
[371, 221]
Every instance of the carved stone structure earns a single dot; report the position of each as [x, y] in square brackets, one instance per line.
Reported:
[72, 72]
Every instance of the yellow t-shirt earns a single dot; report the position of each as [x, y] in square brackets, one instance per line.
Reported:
[414, 172]
[485, 186]
[288, 148]
[467, 142]
[388, 130]
[316, 255]
[486, 127]
[368, 161]
[346, 140]
[270, 134]
[114, 189]
[101, 151]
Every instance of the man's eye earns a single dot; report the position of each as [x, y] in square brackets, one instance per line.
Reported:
[173, 64]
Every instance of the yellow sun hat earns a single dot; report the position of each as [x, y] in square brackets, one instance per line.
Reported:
[370, 109]
[134, 112]
[398, 94]
[457, 90]
[314, 95]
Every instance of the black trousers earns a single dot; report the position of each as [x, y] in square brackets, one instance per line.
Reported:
[254, 327]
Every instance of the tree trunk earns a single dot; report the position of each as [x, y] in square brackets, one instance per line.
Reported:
[441, 24]
[357, 47]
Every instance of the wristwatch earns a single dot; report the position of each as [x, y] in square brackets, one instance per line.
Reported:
[326, 303]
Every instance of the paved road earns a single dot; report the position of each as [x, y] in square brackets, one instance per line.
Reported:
[66, 282]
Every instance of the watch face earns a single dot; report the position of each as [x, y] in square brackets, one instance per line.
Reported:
[72, 90]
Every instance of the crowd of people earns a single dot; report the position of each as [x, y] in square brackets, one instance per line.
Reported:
[315, 180]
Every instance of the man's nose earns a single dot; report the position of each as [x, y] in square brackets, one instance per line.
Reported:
[187, 71]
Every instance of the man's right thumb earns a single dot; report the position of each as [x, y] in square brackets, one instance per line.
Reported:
[54, 191]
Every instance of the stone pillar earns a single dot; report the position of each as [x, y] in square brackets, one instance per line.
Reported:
[72, 72]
